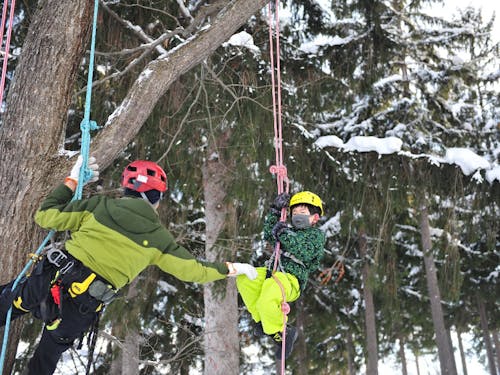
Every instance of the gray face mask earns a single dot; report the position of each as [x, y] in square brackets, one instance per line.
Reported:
[301, 221]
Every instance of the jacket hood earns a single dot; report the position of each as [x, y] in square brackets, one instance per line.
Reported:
[134, 215]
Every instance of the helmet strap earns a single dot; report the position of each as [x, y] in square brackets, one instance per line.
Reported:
[144, 196]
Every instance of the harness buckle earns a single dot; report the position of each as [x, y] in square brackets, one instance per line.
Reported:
[59, 259]
[69, 265]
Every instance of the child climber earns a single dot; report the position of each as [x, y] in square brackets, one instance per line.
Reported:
[302, 248]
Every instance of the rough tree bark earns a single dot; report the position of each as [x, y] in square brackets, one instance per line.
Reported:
[221, 339]
[370, 324]
[301, 345]
[445, 350]
[127, 360]
[37, 105]
[33, 127]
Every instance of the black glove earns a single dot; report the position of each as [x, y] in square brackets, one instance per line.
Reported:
[281, 201]
[278, 229]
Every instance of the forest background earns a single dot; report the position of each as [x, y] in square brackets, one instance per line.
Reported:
[390, 114]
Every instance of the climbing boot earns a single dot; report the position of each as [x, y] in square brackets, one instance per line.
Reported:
[291, 337]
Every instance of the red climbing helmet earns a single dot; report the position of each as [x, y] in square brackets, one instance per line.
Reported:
[144, 175]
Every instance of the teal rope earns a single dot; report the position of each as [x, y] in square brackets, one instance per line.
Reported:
[85, 175]
[86, 125]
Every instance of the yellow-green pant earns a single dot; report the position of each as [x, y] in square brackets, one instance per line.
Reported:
[263, 297]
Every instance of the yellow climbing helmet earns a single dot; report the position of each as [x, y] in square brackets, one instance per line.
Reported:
[306, 197]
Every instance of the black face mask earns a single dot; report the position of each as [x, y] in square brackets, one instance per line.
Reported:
[301, 221]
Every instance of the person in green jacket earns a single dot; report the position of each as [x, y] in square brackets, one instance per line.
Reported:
[112, 241]
[302, 249]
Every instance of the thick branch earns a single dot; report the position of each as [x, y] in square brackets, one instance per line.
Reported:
[126, 121]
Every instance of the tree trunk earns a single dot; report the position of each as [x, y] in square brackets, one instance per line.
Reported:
[416, 363]
[221, 339]
[402, 355]
[34, 122]
[131, 353]
[301, 345]
[350, 354]
[497, 347]
[483, 318]
[462, 352]
[370, 324]
[445, 351]
[127, 361]
[33, 126]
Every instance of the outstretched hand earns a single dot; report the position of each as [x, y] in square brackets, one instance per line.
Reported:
[236, 269]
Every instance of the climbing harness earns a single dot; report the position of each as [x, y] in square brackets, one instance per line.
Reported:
[85, 173]
[6, 50]
[279, 169]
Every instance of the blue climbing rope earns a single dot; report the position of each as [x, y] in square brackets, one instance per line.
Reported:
[86, 125]
[85, 175]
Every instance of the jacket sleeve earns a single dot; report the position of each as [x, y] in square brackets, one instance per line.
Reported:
[180, 263]
[269, 222]
[60, 213]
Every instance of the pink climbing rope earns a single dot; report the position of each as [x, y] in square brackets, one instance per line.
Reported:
[6, 50]
[279, 168]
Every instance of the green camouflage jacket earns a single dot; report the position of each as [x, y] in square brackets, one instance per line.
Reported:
[305, 248]
[117, 238]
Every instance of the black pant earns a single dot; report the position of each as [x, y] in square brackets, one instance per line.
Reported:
[76, 314]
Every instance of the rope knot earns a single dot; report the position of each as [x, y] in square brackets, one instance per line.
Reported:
[87, 175]
[285, 308]
[88, 125]
[279, 170]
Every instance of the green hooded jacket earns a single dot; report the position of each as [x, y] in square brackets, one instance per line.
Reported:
[117, 238]
[307, 246]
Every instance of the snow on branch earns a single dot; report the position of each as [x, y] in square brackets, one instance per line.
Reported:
[468, 161]
[243, 39]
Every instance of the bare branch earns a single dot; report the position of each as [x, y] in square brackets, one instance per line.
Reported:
[157, 77]
[181, 124]
[184, 10]
[232, 93]
[181, 352]
[151, 44]
[151, 9]
[137, 30]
